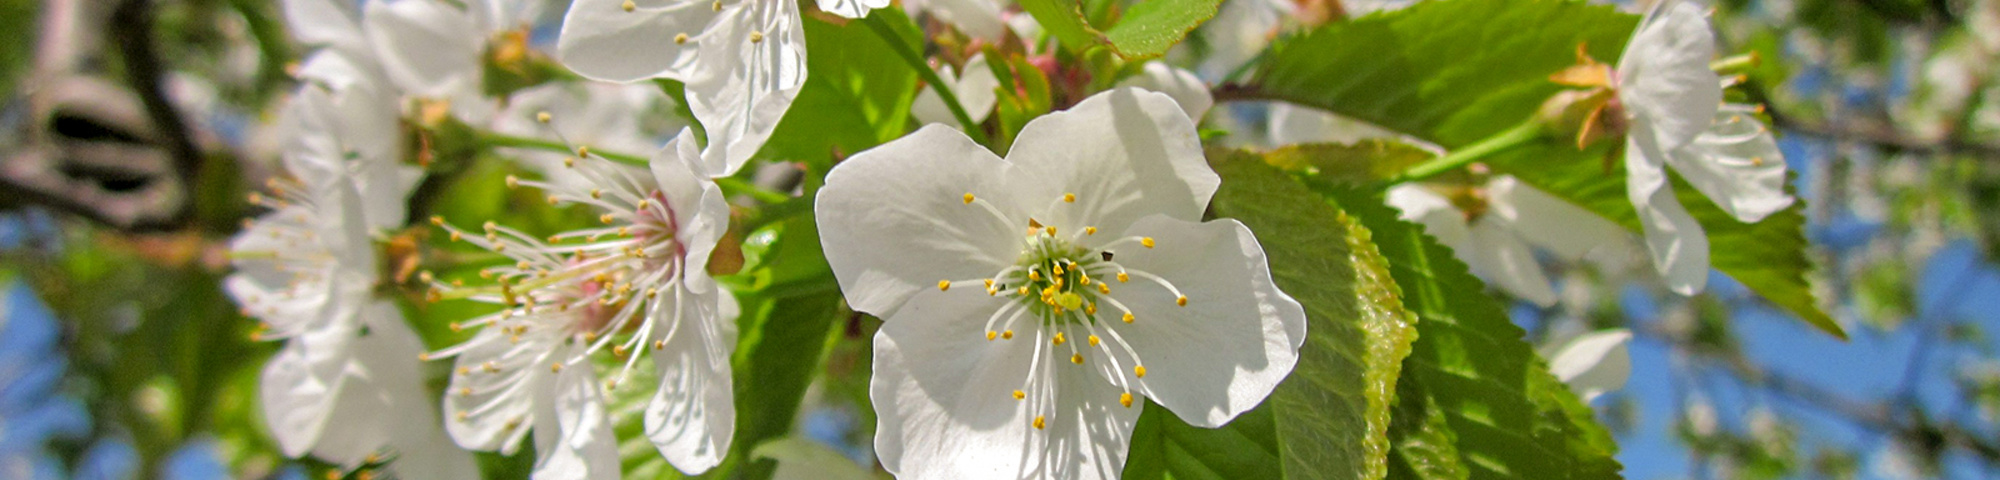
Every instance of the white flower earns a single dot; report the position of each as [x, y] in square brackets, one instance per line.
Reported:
[346, 386]
[973, 85]
[1238, 33]
[743, 61]
[980, 19]
[1292, 124]
[1492, 226]
[343, 126]
[638, 285]
[426, 49]
[1105, 288]
[1187, 90]
[1594, 363]
[593, 114]
[1673, 105]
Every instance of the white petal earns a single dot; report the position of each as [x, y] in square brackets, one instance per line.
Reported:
[1434, 212]
[502, 406]
[602, 41]
[295, 400]
[973, 85]
[1664, 76]
[691, 418]
[573, 439]
[1545, 221]
[1737, 164]
[1126, 154]
[1293, 124]
[387, 359]
[944, 400]
[1186, 89]
[1498, 256]
[1677, 243]
[701, 214]
[1236, 338]
[1594, 363]
[331, 23]
[492, 16]
[977, 18]
[851, 8]
[428, 48]
[929, 107]
[742, 88]
[893, 221]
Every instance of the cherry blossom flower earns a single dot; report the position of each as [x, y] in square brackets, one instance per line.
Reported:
[743, 61]
[1492, 226]
[613, 117]
[1030, 302]
[1668, 103]
[637, 286]
[424, 49]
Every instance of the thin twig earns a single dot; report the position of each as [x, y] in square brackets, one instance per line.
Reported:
[131, 27]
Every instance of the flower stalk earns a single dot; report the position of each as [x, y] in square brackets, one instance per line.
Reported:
[1513, 137]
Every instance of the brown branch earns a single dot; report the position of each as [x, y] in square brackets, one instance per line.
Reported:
[131, 27]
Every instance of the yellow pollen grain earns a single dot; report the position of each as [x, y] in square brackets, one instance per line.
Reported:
[1103, 288]
[756, 37]
[1058, 339]
[680, 39]
[1034, 276]
[606, 218]
[555, 368]
[1122, 277]
[596, 194]
[629, 6]
[990, 335]
[1125, 399]
[989, 283]
[1182, 301]
[1051, 229]
[1089, 230]
[1090, 309]
[1757, 161]
[1023, 290]
[1128, 317]
[1093, 340]
[1040, 423]
[1020, 394]
[1076, 358]
[1139, 370]
[1007, 335]
[513, 182]
[969, 198]
[583, 151]
[1069, 198]
[437, 220]
[1147, 241]
[543, 117]
[569, 162]
[944, 285]
[553, 200]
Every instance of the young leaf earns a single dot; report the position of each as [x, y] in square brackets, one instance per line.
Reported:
[1146, 31]
[1475, 398]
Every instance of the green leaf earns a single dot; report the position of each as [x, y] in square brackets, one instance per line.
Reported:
[785, 331]
[1151, 27]
[1146, 30]
[1475, 397]
[1330, 418]
[1454, 72]
[856, 95]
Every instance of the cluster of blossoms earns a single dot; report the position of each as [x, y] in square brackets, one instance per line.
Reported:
[1032, 305]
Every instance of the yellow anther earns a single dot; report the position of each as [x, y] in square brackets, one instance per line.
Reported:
[1182, 301]
[553, 200]
[513, 182]
[1040, 423]
[1058, 339]
[756, 37]
[1147, 241]
[629, 6]
[606, 218]
[555, 367]
[424, 357]
[596, 194]
[255, 198]
[1076, 358]
[1093, 340]
[969, 198]
[1139, 370]
[991, 334]
[544, 116]
[1757, 161]
[680, 39]
[659, 344]
[1089, 230]
[989, 284]
[1057, 267]
[1020, 394]
[1034, 276]
[455, 236]
[1128, 317]
[569, 162]
[1007, 335]
[583, 151]
[1023, 290]
[1103, 288]
[437, 220]
[1051, 229]
[944, 285]
[1122, 277]
[717, 6]
[1125, 399]
[1069, 198]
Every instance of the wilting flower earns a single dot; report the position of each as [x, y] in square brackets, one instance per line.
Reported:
[1030, 302]
[742, 60]
[637, 286]
[1594, 363]
[1491, 226]
[1668, 102]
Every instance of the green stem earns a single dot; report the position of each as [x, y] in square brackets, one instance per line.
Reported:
[916, 61]
[1521, 134]
[730, 185]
